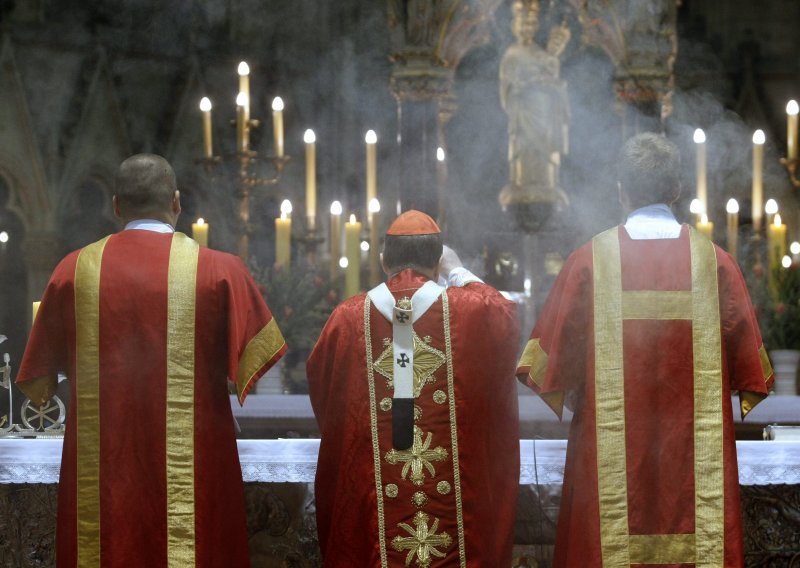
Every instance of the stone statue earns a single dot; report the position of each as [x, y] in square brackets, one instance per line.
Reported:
[535, 99]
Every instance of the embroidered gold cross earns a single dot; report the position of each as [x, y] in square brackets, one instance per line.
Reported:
[423, 542]
[420, 455]
[427, 361]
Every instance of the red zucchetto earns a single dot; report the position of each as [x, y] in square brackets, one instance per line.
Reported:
[413, 222]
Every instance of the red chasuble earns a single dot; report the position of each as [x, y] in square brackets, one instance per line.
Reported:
[450, 499]
[147, 326]
[645, 340]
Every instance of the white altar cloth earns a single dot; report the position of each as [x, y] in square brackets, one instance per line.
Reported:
[295, 461]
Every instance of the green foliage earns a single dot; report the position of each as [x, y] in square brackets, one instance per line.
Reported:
[777, 304]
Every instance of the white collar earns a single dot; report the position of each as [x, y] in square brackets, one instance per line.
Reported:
[653, 222]
[150, 225]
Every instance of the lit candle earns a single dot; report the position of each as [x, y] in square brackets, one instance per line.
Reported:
[776, 241]
[786, 261]
[244, 86]
[792, 108]
[371, 140]
[336, 236]
[770, 208]
[352, 249]
[696, 209]
[208, 146]
[3, 240]
[200, 232]
[242, 127]
[311, 178]
[277, 125]
[283, 235]
[794, 248]
[702, 175]
[705, 226]
[34, 311]
[732, 208]
[374, 208]
[758, 177]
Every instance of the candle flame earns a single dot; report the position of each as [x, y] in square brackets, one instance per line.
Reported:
[286, 207]
[440, 154]
[777, 222]
[371, 137]
[699, 136]
[792, 107]
[205, 104]
[277, 104]
[365, 246]
[3, 237]
[336, 208]
[201, 221]
[695, 206]
[704, 219]
[241, 99]
[732, 206]
[786, 261]
[244, 68]
[352, 218]
[771, 207]
[795, 247]
[759, 137]
[309, 137]
[284, 216]
[343, 262]
[374, 205]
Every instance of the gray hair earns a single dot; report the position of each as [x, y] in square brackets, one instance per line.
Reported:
[649, 170]
[145, 186]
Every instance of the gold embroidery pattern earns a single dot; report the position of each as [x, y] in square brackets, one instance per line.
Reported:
[417, 413]
[766, 366]
[662, 549]
[386, 404]
[535, 359]
[418, 457]
[376, 450]
[454, 431]
[260, 350]
[392, 490]
[439, 397]
[423, 543]
[427, 361]
[443, 487]
[419, 499]
[87, 404]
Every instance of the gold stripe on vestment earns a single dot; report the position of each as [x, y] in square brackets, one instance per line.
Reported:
[766, 366]
[657, 305]
[535, 358]
[612, 481]
[260, 350]
[87, 402]
[181, 295]
[376, 447]
[708, 446]
[662, 549]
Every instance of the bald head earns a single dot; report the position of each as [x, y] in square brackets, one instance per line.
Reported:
[145, 188]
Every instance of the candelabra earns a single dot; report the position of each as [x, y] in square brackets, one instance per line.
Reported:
[242, 169]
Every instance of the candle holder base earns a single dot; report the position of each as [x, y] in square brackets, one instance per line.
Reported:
[791, 165]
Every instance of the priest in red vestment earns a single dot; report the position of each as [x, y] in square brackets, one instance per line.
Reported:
[647, 332]
[413, 388]
[147, 326]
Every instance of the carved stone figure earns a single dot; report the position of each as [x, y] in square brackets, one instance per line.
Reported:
[535, 99]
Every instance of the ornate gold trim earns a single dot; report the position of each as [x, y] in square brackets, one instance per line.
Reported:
[708, 400]
[181, 306]
[417, 458]
[376, 449]
[612, 483]
[662, 549]
[535, 358]
[260, 350]
[87, 403]
[766, 365]
[39, 389]
[427, 361]
[657, 304]
[462, 553]
[422, 542]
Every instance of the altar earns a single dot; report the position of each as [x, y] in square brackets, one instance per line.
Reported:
[279, 477]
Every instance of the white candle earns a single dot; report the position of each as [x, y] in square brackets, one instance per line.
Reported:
[311, 178]
[696, 209]
[702, 175]
[283, 235]
[352, 247]
[770, 208]
[374, 208]
[371, 140]
[277, 125]
[732, 208]
[758, 177]
[208, 146]
[792, 109]
[244, 86]
[242, 126]
[200, 232]
[336, 238]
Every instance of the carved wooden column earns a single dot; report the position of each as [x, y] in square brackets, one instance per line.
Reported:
[428, 40]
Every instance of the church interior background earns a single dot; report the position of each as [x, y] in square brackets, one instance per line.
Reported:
[501, 118]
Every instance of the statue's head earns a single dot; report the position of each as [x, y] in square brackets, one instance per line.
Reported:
[526, 20]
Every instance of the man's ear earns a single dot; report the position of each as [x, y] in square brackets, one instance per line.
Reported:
[176, 203]
[115, 207]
